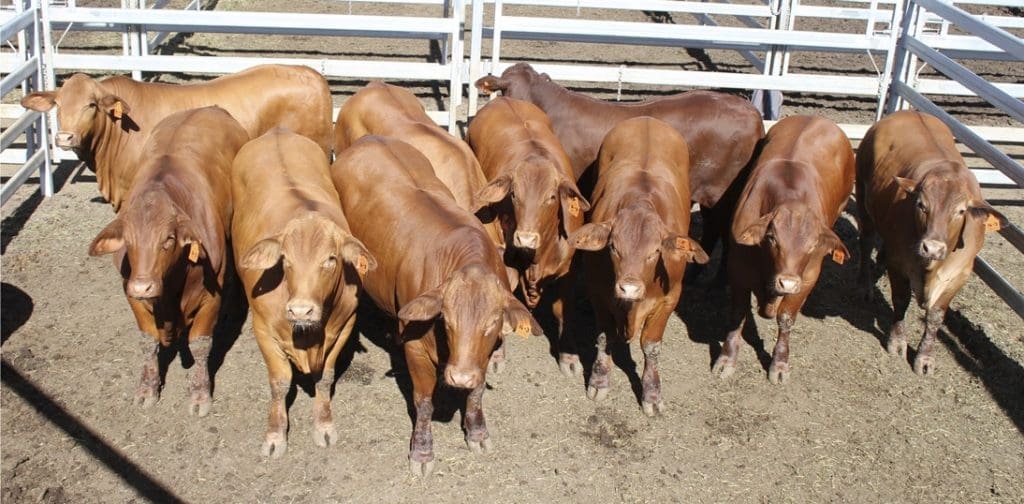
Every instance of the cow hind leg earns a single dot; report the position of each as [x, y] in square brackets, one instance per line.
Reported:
[199, 377]
[865, 275]
[924, 361]
[897, 342]
[148, 391]
[568, 355]
[477, 438]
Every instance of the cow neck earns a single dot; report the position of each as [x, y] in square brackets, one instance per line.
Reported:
[108, 148]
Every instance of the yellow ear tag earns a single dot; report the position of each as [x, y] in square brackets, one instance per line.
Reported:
[574, 207]
[118, 110]
[193, 252]
[992, 223]
[362, 265]
[523, 328]
[838, 256]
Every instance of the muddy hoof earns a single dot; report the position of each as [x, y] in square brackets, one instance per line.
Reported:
[924, 365]
[275, 446]
[570, 365]
[480, 447]
[421, 469]
[897, 347]
[325, 435]
[778, 373]
[724, 367]
[199, 407]
[652, 409]
[597, 394]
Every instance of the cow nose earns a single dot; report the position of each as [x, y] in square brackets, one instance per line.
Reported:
[302, 311]
[66, 140]
[463, 378]
[142, 288]
[787, 284]
[526, 240]
[629, 289]
[933, 249]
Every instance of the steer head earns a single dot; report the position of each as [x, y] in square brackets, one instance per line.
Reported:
[477, 308]
[156, 235]
[943, 207]
[793, 237]
[515, 82]
[641, 248]
[82, 104]
[311, 250]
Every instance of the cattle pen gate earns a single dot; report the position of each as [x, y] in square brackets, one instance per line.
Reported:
[901, 37]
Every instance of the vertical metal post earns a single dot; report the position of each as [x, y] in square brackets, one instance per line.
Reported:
[496, 37]
[895, 31]
[455, 87]
[905, 61]
[476, 39]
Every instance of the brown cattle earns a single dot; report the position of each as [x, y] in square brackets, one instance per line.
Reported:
[300, 266]
[783, 228]
[392, 111]
[915, 190]
[721, 131]
[169, 241]
[106, 122]
[435, 262]
[640, 224]
[533, 191]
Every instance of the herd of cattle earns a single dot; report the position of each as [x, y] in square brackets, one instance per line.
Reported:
[441, 234]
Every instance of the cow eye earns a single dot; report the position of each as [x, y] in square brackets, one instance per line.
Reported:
[613, 249]
[330, 263]
[169, 243]
[770, 240]
[921, 206]
[961, 212]
[552, 198]
[513, 196]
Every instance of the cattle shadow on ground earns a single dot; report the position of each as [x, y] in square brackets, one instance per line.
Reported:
[134, 476]
[15, 221]
[17, 309]
[1002, 376]
[234, 311]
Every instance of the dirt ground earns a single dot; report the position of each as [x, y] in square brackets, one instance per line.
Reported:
[852, 425]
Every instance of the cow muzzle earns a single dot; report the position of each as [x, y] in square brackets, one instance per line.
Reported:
[463, 378]
[629, 289]
[933, 250]
[143, 288]
[66, 140]
[305, 313]
[526, 240]
[787, 284]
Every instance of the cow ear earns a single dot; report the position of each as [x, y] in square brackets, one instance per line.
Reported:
[109, 240]
[40, 101]
[754, 233]
[114, 106]
[491, 84]
[518, 320]
[908, 186]
[491, 193]
[426, 306]
[355, 253]
[684, 247]
[593, 236]
[831, 242]
[994, 221]
[264, 255]
[573, 203]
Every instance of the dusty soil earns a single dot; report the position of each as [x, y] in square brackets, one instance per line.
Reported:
[852, 425]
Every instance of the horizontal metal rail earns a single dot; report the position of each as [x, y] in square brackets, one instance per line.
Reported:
[19, 74]
[12, 132]
[15, 24]
[994, 35]
[32, 164]
[1007, 292]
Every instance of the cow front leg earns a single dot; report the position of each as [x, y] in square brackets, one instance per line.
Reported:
[477, 438]
[497, 362]
[725, 364]
[924, 362]
[897, 342]
[148, 391]
[424, 381]
[651, 403]
[199, 377]
[275, 442]
[778, 371]
[599, 384]
[324, 433]
[568, 354]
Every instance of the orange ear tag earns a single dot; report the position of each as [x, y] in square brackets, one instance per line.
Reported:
[362, 265]
[523, 328]
[574, 207]
[838, 256]
[992, 223]
[119, 111]
[193, 252]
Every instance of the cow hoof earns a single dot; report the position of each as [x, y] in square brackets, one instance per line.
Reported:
[570, 365]
[325, 435]
[422, 469]
[653, 409]
[275, 446]
[724, 368]
[496, 367]
[480, 447]
[146, 399]
[597, 394]
[778, 373]
[897, 347]
[199, 408]
[924, 365]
